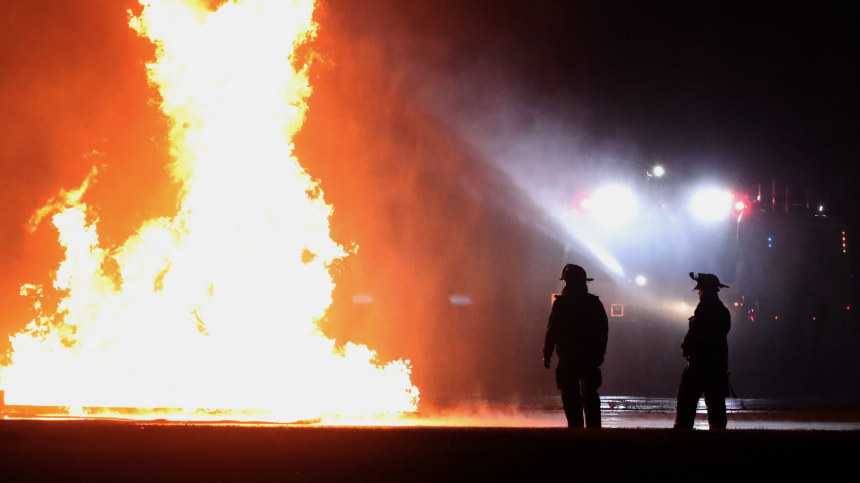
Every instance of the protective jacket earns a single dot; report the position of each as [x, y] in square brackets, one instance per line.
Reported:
[709, 327]
[578, 328]
[707, 352]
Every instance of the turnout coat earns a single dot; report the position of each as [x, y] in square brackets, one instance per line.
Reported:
[577, 330]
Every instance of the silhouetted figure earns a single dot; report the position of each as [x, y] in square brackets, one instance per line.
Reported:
[577, 330]
[707, 352]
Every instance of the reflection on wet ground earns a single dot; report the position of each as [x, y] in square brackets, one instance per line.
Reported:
[640, 412]
[617, 412]
[648, 412]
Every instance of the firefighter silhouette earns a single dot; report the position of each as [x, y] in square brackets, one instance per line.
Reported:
[707, 352]
[577, 331]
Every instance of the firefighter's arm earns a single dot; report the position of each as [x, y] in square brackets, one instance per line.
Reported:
[726, 322]
[604, 326]
[686, 342]
[550, 339]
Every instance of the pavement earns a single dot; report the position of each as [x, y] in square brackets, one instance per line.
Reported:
[111, 450]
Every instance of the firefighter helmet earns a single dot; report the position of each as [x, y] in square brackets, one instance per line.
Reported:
[574, 273]
[707, 281]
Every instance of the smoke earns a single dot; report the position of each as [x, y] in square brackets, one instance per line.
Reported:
[449, 144]
[452, 147]
[445, 199]
[454, 184]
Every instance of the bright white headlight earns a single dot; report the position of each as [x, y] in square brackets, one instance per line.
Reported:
[613, 205]
[712, 204]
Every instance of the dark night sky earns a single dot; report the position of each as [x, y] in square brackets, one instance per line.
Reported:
[760, 90]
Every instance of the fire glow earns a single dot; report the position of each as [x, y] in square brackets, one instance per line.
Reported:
[214, 309]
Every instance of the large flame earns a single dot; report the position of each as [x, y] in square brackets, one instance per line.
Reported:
[215, 308]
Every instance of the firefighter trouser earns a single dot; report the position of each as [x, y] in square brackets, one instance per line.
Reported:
[710, 378]
[579, 394]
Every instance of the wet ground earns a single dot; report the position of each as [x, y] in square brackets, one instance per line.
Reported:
[99, 450]
[470, 441]
[617, 412]
[632, 412]
[641, 413]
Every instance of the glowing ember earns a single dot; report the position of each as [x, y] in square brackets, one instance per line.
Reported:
[215, 308]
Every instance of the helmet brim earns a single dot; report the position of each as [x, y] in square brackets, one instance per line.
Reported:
[704, 288]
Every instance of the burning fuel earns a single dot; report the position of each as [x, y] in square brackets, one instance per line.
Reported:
[215, 308]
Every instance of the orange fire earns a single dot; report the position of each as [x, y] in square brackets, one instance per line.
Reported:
[215, 308]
